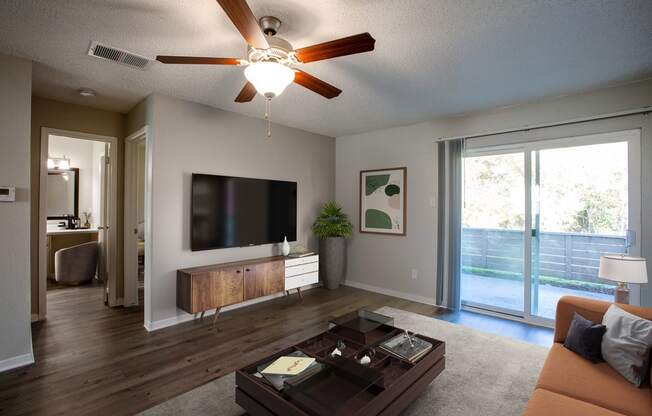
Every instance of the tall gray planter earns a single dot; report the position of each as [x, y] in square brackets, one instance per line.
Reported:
[332, 260]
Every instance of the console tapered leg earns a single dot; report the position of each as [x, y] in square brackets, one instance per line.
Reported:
[217, 314]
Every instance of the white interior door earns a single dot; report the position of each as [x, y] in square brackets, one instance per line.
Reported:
[134, 210]
[103, 228]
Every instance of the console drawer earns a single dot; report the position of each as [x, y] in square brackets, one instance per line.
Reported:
[289, 262]
[301, 280]
[301, 269]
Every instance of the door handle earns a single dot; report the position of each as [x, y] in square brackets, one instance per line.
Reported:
[247, 270]
[237, 271]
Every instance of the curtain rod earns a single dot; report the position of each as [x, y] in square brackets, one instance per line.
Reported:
[641, 110]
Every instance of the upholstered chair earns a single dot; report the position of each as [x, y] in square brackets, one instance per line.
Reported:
[77, 264]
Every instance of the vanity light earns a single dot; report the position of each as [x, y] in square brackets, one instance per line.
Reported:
[59, 163]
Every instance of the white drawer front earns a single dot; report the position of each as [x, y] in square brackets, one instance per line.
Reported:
[310, 278]
[301, 260]
[301, 280]
[301, 269]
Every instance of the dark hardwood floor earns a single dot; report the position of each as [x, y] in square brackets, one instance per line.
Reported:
[500, 326]
[94, 360]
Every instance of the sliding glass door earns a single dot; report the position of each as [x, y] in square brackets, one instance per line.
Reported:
[493, 221]
[577, 198]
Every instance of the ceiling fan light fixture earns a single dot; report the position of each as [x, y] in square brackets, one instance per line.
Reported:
[87, 92]
[269, 78]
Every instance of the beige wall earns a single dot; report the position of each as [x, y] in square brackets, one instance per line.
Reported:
[15, 96]
[55, 114]
[385, 262]
[137, 117]
[191, 138]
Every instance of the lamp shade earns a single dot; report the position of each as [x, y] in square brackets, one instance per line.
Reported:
[269, 78]
[621, 268]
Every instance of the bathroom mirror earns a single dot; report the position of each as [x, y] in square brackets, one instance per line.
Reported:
[63, 193]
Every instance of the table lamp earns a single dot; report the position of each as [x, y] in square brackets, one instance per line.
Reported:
[622, 269]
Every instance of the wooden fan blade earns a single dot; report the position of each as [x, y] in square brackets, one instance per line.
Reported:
[247, 93]
[245, 21]
[315, 84]
[197, 60]
[340, 47]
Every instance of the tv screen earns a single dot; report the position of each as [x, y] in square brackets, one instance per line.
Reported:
[229, 211]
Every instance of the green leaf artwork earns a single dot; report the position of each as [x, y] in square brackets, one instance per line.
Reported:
[382, 201]
[374, 182]
[377, 219]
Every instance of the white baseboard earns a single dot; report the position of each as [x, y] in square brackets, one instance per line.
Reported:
[390, 292]
[185, 317]
[17, 361]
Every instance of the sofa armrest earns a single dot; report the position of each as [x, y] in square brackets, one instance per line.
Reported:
[591, 309]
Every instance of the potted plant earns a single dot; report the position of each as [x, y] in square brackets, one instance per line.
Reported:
[332, 227]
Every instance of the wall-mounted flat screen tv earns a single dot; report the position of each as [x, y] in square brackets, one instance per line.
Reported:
[230, 211]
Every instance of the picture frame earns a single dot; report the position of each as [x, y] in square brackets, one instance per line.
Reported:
[383, 201]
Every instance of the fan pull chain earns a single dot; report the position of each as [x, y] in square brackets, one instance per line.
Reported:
[268, 102]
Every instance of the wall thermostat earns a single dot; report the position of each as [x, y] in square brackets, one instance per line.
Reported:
[7, 194]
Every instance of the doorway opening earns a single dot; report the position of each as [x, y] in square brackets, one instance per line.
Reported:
[537, 217]
[77, 213]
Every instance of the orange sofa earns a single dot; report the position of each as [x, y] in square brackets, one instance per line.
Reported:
[569, 385]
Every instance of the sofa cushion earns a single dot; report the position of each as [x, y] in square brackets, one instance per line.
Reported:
[585, 338]
[547, 403]
[566, 373]
[627, 343]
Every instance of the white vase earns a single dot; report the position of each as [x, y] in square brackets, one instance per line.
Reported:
[285, 247]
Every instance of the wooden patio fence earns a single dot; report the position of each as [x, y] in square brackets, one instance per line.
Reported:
[572, 256]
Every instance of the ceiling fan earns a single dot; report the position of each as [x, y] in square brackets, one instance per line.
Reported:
[271, 63]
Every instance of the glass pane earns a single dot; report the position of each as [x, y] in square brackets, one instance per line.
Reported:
[580, 201]
[493, 218]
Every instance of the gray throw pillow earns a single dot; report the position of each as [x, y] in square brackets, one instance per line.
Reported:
[626, 344]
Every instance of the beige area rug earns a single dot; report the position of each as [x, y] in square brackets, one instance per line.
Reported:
[485, 374]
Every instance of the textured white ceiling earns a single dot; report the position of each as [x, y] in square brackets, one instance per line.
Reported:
[433, 57]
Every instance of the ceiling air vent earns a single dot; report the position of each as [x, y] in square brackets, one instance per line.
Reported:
[120, 56]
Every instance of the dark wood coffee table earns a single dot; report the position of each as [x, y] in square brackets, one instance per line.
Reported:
[345, 387]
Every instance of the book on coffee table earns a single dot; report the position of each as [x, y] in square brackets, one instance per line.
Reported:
[401, 347]
[288, 365]
[278, 380]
